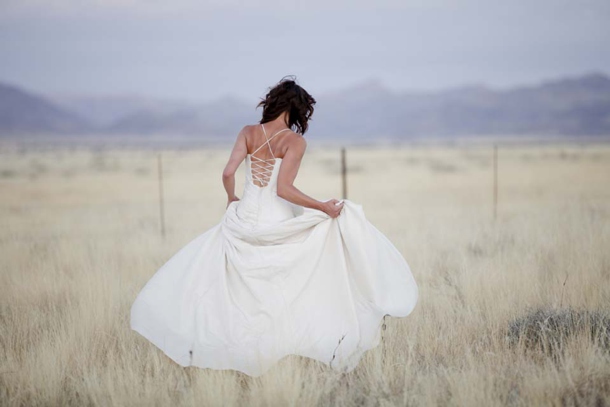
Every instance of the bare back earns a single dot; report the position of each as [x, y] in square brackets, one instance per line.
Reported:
[263, 152]
[279, 141]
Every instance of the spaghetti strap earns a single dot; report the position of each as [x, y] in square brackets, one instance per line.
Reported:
[261, 168]
[268, 140]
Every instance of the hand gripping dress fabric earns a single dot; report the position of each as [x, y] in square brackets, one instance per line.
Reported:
[275, 279]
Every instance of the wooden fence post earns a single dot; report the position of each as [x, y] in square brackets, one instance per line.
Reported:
[343, 173]
[495, 191]
[161, 197]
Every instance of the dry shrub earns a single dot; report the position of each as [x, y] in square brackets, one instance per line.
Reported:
[549, 329]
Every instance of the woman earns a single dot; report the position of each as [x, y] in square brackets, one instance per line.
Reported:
[282, 273]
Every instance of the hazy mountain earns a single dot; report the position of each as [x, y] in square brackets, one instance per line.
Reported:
[109, 109]
[22, 112]
[221, 117]
[574, 106]
[368, 111]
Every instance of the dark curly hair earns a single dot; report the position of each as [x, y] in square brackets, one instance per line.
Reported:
[287, 95]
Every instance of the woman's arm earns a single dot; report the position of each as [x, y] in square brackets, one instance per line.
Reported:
[288, 172]
[238, 154]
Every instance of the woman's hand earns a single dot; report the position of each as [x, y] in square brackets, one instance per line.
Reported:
[231, 200]
[332, 207]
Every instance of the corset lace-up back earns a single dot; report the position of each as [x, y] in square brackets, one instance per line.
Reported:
[261, 169]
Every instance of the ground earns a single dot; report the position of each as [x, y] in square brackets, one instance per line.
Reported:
[80, 235]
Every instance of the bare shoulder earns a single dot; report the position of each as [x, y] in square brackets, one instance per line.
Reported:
[246, 132]
[296, 141]
[247, 129]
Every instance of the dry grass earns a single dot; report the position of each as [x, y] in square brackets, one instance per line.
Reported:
[79, 237]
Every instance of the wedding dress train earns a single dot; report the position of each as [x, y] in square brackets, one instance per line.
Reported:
[273, 279]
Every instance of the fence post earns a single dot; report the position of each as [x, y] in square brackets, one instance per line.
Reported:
[495, 190]
[161, 197]
[343, 173]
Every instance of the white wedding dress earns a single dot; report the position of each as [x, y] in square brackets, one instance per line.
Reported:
[273, 279]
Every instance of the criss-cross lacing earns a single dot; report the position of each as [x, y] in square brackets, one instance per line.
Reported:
[262, 169]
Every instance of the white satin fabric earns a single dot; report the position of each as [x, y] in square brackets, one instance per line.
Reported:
[273, 279]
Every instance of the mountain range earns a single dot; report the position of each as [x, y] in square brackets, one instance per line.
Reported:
[570, 106]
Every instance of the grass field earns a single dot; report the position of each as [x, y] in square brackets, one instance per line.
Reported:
[512, 311]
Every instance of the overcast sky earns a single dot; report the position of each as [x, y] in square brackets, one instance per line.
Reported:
[198, 50]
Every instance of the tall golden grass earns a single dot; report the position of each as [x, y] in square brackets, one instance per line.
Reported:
[79, 237]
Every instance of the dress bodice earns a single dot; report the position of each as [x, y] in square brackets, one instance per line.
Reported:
[260, 204]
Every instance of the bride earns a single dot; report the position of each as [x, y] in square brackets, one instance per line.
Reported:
[282, 273]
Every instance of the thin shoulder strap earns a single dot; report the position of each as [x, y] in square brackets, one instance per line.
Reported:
[267, 140]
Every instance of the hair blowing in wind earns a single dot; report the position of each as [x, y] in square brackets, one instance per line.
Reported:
[289, 96]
